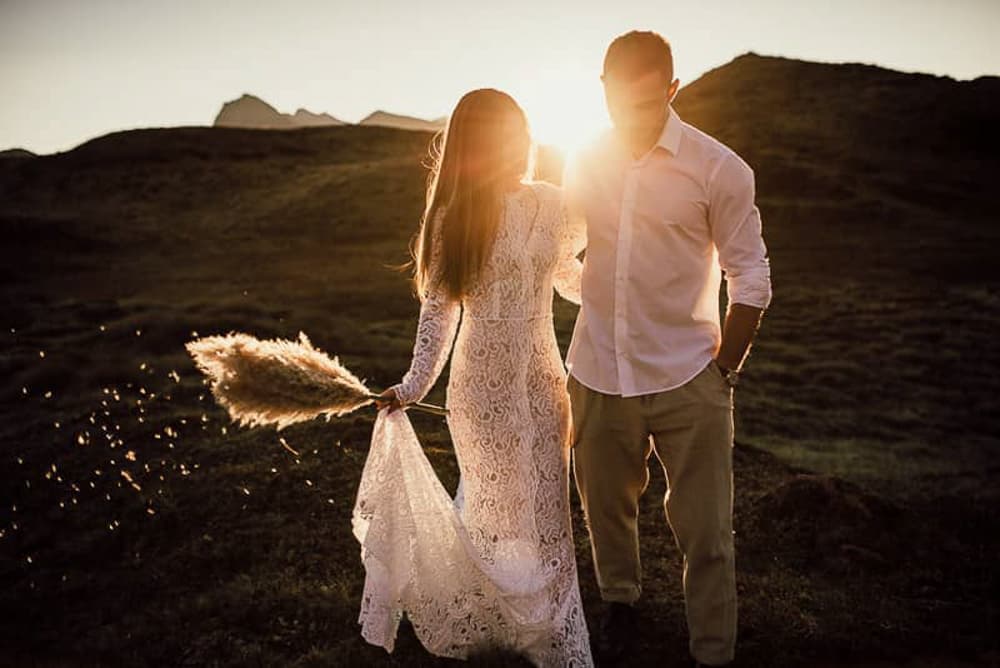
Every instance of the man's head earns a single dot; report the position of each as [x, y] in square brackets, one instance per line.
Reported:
[639, 83]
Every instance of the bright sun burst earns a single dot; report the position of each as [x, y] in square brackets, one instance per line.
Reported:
[567, 113]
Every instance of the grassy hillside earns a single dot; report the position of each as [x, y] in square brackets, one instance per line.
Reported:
[138, 526]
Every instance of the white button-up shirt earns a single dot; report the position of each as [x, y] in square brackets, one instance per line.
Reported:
[660, 230]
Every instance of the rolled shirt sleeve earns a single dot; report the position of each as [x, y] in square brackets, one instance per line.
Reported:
[736, 230]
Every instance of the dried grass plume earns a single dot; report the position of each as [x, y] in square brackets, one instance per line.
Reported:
[280, 382]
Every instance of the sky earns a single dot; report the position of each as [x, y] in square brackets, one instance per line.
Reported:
[71, 70]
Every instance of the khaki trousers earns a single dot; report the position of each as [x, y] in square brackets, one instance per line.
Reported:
[691, 430]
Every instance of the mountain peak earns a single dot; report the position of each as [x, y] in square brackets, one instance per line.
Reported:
[250, 111]
[383, 118]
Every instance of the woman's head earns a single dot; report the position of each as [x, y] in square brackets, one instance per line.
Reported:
[485, 151]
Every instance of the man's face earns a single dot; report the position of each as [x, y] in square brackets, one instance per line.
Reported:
[638, 108]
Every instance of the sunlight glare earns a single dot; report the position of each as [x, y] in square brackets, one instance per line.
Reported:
[565, 107]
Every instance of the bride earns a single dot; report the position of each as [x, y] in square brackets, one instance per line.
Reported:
[494, 567]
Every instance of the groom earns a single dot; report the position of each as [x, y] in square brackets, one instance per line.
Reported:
[667, 208]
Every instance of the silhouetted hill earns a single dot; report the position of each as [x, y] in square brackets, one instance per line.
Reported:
[16, 153]
[846, 130]
[853, 111]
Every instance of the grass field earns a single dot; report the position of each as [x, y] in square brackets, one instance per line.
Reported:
[139, 527]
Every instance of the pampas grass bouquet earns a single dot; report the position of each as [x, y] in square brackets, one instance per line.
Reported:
[280, 382]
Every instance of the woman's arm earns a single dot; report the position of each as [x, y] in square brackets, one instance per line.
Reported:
[572, 237]
[439, 318]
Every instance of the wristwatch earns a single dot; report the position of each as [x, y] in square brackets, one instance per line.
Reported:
[731, 376]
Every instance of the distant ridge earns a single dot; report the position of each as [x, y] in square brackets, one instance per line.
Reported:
[249, 111]
[386, 119]
[307, 118]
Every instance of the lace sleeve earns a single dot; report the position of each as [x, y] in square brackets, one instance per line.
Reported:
[572, 238]
[439, 316]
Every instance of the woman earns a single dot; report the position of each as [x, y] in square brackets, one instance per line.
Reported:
[494, 567]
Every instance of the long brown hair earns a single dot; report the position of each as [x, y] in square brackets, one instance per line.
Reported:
[484, 150]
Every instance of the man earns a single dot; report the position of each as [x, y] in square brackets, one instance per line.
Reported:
[667, 208]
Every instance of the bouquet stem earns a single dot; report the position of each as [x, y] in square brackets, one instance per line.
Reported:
[420, 406]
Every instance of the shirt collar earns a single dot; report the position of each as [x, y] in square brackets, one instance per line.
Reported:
[670, 137]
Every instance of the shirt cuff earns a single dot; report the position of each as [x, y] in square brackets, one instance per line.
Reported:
[752, 290]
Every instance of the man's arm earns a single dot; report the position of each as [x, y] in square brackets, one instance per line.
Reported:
[736, 231]
[742, 322]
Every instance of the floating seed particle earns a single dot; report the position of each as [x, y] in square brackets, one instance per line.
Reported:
[284, 443]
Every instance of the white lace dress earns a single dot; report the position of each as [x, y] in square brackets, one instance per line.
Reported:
[494, 567]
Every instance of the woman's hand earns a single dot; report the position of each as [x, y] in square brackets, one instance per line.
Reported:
[388, 398]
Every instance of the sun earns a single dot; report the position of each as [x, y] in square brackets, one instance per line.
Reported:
[564, 112]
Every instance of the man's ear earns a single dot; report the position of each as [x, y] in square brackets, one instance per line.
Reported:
[674, 87]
